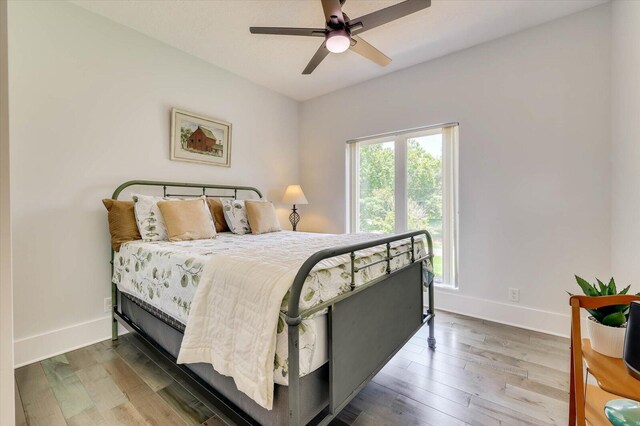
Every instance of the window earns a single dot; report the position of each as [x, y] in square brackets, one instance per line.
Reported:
[408, 181]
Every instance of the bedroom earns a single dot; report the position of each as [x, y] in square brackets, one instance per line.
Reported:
[545, 97]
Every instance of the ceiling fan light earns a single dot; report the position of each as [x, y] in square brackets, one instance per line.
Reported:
[338, 41]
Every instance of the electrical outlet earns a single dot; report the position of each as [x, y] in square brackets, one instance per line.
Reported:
[514, 294]
[107, 304]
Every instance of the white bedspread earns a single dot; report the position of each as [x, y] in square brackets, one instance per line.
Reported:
[244, 289]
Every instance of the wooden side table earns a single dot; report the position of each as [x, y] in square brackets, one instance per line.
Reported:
[613, 379]
[586, 404]
[610, 373]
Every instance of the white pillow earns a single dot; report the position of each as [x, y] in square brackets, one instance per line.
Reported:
[149, 219]
[236, 216]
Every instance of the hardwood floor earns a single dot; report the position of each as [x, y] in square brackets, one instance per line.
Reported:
[481, 373]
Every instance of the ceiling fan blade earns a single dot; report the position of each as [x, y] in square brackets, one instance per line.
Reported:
[363, 48]
[388, 14]
[332, 8]
[309, 32]
[321, 53]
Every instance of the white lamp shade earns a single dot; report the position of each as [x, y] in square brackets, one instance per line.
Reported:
[294, 195]
[338, 41]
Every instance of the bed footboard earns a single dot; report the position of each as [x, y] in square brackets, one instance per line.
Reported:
[365, 331]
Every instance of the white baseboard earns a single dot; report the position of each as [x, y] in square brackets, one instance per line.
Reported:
[45, 345]
[504, 313]
[35, 348]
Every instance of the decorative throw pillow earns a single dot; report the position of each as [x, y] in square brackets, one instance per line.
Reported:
[215, 207]
[262, 217]
[236, 216]
[122, 222]
[187, 219]
[149, 218]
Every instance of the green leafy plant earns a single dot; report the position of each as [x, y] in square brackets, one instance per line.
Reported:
[613, 316]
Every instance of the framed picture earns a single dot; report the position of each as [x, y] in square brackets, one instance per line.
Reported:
[200, 139]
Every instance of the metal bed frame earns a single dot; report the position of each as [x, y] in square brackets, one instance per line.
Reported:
[369, 328]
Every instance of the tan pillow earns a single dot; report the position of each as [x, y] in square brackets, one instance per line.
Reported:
[262, 217]
[187, 220]
[122, 222]
[215, 206]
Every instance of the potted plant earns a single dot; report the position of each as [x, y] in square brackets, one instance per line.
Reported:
[606, 325]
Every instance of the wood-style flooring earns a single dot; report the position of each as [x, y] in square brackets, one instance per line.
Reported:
[481, 373]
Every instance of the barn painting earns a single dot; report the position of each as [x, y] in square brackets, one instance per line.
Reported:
[200, 139]
[203, 140]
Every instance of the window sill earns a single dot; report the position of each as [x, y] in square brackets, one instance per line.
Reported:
[446, 287]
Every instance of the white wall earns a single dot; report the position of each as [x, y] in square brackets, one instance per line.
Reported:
[625, 136]
[7, 402]
[534, 113]
[90, 109]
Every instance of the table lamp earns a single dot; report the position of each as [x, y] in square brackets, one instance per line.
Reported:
[632, 341]
[625, 412]
[294, 195]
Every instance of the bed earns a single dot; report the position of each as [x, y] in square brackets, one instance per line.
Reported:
[352, 303]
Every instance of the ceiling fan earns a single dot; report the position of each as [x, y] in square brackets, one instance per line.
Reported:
[341, 33]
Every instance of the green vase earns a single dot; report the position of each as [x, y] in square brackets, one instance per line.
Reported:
[623, 412]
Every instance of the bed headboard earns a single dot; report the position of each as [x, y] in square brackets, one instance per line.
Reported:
[174, 185]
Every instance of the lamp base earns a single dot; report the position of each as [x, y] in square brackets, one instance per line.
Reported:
[294, 218]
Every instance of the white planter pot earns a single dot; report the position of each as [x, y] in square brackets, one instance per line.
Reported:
[606, 340]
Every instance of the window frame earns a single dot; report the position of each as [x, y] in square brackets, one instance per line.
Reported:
[401, 196]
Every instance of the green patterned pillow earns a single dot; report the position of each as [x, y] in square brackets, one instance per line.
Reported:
[236, 216]
[149, 219]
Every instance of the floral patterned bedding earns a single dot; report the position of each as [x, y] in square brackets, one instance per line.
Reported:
[165, 275]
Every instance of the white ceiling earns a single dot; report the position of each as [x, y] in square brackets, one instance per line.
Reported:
[218, 32]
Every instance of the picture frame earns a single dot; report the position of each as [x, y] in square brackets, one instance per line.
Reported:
[199, 139]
